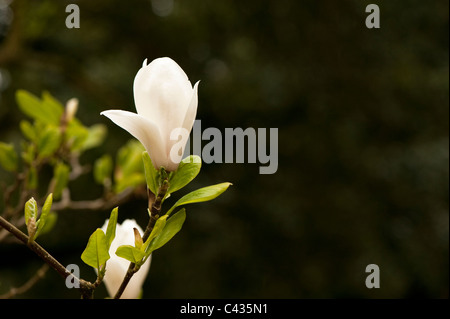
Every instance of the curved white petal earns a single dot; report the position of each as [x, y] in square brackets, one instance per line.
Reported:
[182, 133]
[146, 131]
[192, 109]
[162, 92]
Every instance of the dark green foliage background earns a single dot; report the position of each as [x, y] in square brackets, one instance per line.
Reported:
[363, 172]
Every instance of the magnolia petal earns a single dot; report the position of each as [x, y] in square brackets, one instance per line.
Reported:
[181, 134]
[116, 267]
[144, 130]
[192, 109]
[162, 92]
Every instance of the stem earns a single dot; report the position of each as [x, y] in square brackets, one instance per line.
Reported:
[155, 210]
[26, 286]
[97, 204]
[35, 247]
[129, 274]
[86, 288]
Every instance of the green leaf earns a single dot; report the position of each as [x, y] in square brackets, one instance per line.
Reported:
[31, 210]
[48, 225]
[129, 171]
[96, 252]
[95, 137]
[76, 134]
[172, 227]
[111, 228]
[52, 107]
[129, 158]
[130, 253]
[185, 173]
[28, 152]
[30, 105]
[28, 130]
[8, 157]
[201, 195]
[156, 231]
[49, 142]
[32, 178]
[47, 111]
[47, 205]
[152, 176]
[44, 214]
[61, 174]
[131, 180]
[103, 169]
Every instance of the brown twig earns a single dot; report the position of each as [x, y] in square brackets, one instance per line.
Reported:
[97, 204]
[86, 288]
[26, 286]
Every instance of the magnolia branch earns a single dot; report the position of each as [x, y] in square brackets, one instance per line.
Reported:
[97, 204]
[26, 286]
[86, 288]
[67, 203]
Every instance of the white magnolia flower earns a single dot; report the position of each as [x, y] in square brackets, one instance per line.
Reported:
[166, 105]
[116, 267]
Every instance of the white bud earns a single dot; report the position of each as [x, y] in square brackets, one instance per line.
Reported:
[71, 109]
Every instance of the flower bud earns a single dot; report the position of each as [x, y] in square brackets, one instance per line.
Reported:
[116, 267]
[165, 101]
[71, 109]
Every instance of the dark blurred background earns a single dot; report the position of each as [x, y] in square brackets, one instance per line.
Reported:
[363, 174]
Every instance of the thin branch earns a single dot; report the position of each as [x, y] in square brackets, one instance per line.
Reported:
[29, 284]
[97, 204]
[35, 247]
[86, 288]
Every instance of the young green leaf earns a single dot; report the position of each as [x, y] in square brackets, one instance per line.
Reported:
[28, 130]
[49, 142]
[44, 214]
[96, 252]
[103, 169]
[201, 195]
[130, 253]
[52, 107]
[95, 137]
[47, 205]
[157, 229]
[130, 180]
[111, 228]
[151, 173]
[28, 152]
[76, 135]
[31, 106]
[8, 157]
[31, 210]
[129, 157]
[48, 110]
[50, 222]
[61, 174]
[129, 171]
[32, 178]
[172, 227]
[187, 170]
